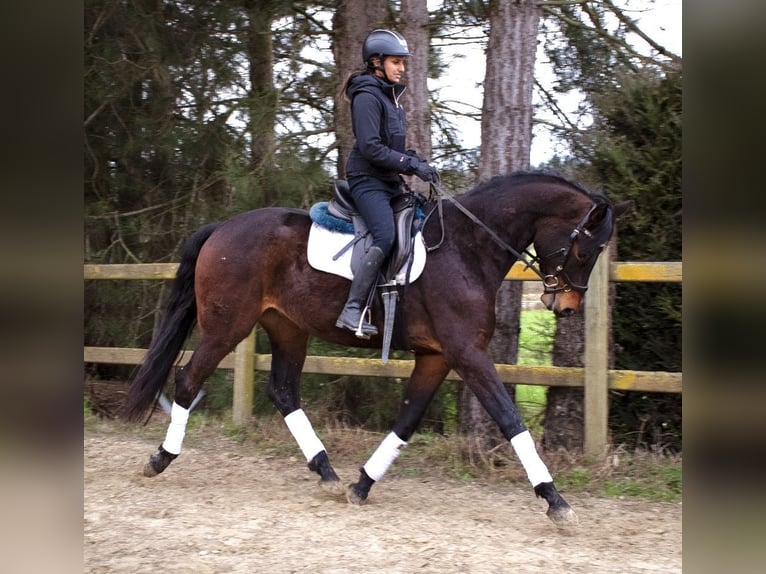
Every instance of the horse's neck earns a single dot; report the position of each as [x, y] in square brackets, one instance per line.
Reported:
[509, 218]
[512, 224]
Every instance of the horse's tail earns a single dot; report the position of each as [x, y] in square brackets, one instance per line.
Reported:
[175, 327]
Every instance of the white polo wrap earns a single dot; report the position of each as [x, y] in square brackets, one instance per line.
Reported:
[179, 416]
[303, 433]
[384, 456]
[524, 445]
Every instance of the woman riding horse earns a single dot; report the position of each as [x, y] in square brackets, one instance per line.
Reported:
[376, 161]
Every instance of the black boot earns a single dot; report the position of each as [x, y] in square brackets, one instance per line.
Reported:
[351, 317]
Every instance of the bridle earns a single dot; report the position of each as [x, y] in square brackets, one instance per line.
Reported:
[551, 282]
[556, 282]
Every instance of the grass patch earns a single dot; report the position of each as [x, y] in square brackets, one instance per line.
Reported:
[538, 327]
[657, 479]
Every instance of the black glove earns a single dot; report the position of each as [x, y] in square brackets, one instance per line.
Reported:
[425, 171]
[413, 153]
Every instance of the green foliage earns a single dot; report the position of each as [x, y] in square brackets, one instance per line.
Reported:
[535, 345]
[575, 47]
[536, 339]
[636, 154]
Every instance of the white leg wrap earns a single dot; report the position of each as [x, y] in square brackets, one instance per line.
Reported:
[304, 434]
[179, 416]
[384, 456]
[525, 449]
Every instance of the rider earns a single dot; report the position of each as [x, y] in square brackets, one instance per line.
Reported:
[377, 160]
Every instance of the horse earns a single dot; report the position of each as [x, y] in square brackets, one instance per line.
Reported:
[253, 269]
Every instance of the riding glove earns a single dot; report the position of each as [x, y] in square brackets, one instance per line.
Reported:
[413, 153]
[425, 171]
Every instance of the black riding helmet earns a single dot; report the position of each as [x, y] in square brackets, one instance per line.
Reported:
[382, 43]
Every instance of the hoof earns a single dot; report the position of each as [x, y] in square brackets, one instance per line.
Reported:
[354, 495]
[149, 470]
[563, 516]
[158, 462]
[332, 487]
[328, 481]
[559, 511]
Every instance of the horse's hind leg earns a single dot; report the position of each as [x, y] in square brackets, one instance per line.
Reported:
[189, 381]
[288, 353]
[428, 374]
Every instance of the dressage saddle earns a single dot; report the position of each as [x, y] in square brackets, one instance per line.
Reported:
[408, 217]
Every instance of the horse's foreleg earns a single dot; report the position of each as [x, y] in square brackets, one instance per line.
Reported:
[428, 374]
[288, 353]
[312, 448]
[494, 397]
[559, 510]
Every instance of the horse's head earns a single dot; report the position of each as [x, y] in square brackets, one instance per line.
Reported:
[567, 255]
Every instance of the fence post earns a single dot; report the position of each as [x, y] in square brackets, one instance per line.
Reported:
[244, 368]
[597, 358]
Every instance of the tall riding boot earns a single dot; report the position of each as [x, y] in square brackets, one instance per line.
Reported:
[351, 317]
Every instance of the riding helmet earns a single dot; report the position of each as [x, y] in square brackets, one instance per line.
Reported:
[383, 43]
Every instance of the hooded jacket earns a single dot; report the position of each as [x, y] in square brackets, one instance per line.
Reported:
[379, 123]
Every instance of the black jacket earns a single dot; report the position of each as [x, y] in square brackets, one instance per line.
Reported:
[380, 126]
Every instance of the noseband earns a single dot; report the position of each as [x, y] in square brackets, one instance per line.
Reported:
[552, 283]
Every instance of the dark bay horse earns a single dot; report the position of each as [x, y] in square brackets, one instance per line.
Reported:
[253, 269]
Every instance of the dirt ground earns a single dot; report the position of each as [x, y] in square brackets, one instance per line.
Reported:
[223, 507]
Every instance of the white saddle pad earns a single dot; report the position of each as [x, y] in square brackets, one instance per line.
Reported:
[325, 244]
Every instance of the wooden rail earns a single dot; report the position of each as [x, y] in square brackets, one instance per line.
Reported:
[618, 271]
[595, 376]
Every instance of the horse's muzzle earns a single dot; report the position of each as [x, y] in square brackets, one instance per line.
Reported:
[562, 303]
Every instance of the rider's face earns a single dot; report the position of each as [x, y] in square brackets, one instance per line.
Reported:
[394, 67]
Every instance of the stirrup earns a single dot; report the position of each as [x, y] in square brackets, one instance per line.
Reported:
[361, 328]
[371, 329]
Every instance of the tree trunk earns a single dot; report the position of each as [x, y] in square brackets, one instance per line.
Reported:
[506, 123]
[263, 94]
[564, 411]
[415, 22]
[506, 139]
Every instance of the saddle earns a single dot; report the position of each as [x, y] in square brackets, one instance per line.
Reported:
[406, 225]
[340, 214]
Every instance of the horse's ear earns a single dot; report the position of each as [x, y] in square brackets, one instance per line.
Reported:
[623, 207]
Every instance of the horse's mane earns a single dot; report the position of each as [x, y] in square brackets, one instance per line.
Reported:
[520, 177]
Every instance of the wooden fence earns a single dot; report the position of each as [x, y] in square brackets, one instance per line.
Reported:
[595, 376]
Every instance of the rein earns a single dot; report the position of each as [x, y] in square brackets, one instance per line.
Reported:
[530, 261]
